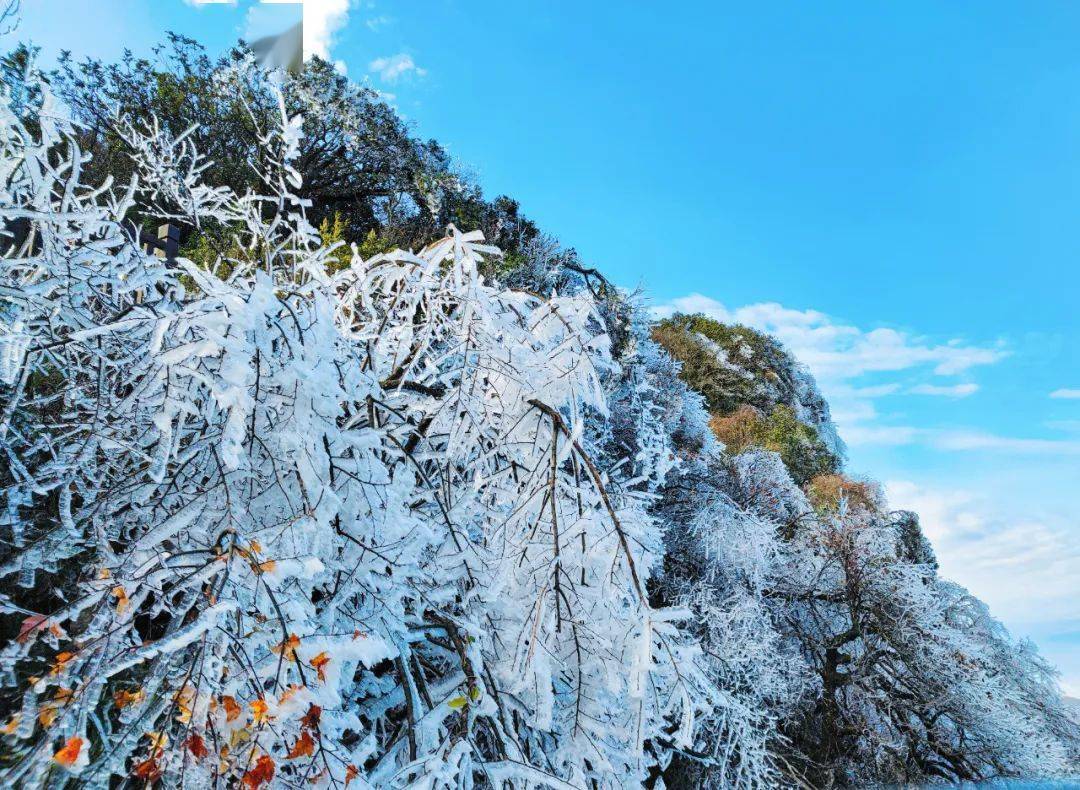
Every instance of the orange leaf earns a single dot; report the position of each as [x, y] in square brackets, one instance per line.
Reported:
[256, 546]
[122, 698]
[232, 710]
[351, 772]
[70, 752]
[11, 726]
[310, 720]
[62, 659]
[64, 695]
[285, 695]
[287, 649]
[319, 662]
[304, 747]
[259, 710]
[197, 746]
[266, 567]
[122, 601]
[260, 773]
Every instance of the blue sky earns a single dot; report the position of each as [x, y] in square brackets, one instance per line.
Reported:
[891, 188]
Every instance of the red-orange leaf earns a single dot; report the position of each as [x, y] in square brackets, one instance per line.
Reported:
[310, 720]
[260, 773]
[148, 770]
[304, 747]
[232, 710]
[197, 746]
[319, 662]
[70, 752]
[351, 772]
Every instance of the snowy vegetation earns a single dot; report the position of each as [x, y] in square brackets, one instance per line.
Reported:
[346, 496]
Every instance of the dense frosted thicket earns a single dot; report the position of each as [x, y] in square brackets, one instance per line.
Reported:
[275, 520]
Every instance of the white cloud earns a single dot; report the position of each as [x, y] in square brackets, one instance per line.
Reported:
[1023, 566]
[979, 440]
[954, 391]
[1066, 394]
[840, 351]
[856, 434]
[392, 68]
[859, 431]
[322, 20]
[375, 23]
[876, 391]
[839, 354]
[212, 2]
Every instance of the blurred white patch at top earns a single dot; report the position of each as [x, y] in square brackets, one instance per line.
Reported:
[275, 33]
[322, 20]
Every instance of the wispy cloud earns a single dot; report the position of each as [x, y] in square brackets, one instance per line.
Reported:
[376, 23]
[980, 440]
[1024, 566]
[864, 433]
[859, 434]
[394, 67]
[954, 391]
[1066, 394]
[840, 355]
[834, 350]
